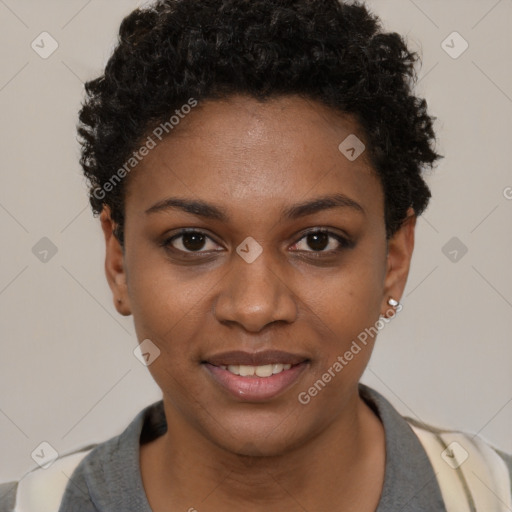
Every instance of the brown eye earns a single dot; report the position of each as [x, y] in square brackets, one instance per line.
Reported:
[317, 241]
[193, 241]
[320, 240]
[190, 241]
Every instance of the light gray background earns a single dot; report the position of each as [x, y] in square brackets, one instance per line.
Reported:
[68, 375]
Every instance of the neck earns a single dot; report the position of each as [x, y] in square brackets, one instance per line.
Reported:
[327, 468]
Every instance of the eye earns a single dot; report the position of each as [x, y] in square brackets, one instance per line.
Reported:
[190, 240]
[321, 239]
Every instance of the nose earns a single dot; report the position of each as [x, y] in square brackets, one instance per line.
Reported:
[255, 294]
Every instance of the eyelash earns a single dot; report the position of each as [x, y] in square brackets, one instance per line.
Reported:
[344, 243]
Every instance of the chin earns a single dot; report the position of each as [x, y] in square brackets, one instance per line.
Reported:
[253, 436]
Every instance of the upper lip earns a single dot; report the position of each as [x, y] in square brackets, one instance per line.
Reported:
[254, 358]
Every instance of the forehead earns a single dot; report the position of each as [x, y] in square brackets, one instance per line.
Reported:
[258, 154]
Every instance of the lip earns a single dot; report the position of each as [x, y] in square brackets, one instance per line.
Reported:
[256, 389]
[255, 358]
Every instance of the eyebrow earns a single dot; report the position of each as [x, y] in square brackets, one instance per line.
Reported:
[211, 211]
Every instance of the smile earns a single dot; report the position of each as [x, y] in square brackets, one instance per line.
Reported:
[265, 370]
[255, 383]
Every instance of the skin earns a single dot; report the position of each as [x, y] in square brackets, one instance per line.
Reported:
[253, 160]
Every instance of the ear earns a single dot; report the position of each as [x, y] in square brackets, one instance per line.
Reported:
[114, 264]
[400, 249]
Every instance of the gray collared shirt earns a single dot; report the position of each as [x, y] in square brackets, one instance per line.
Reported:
[108, 479]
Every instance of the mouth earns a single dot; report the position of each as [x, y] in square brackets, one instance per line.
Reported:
[264, 371]
[255, 377]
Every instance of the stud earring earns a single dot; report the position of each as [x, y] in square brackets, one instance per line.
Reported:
[394, 304]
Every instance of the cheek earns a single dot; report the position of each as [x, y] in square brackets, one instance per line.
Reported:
[163, 296]
[170, 312]
[352, 295]
[346, 309]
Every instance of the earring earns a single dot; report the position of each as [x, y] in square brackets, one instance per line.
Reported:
[395, 304]
[119, 301]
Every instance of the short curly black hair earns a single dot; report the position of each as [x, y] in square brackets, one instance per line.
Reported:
[329, 51]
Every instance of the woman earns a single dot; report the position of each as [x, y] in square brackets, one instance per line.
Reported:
[257, 169]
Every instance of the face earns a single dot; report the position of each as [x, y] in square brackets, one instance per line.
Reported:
[282, 265]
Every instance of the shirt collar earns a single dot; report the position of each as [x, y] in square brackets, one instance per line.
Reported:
[410, 483]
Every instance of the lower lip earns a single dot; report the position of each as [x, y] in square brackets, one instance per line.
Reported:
[255, 389]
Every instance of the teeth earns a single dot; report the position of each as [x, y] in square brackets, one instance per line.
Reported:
[246, 371]
[234, 368]
[265, 370]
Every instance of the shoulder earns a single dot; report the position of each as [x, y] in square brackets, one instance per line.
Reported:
[460, 441]
[41, 489]
[467, 465]
[97, 468]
